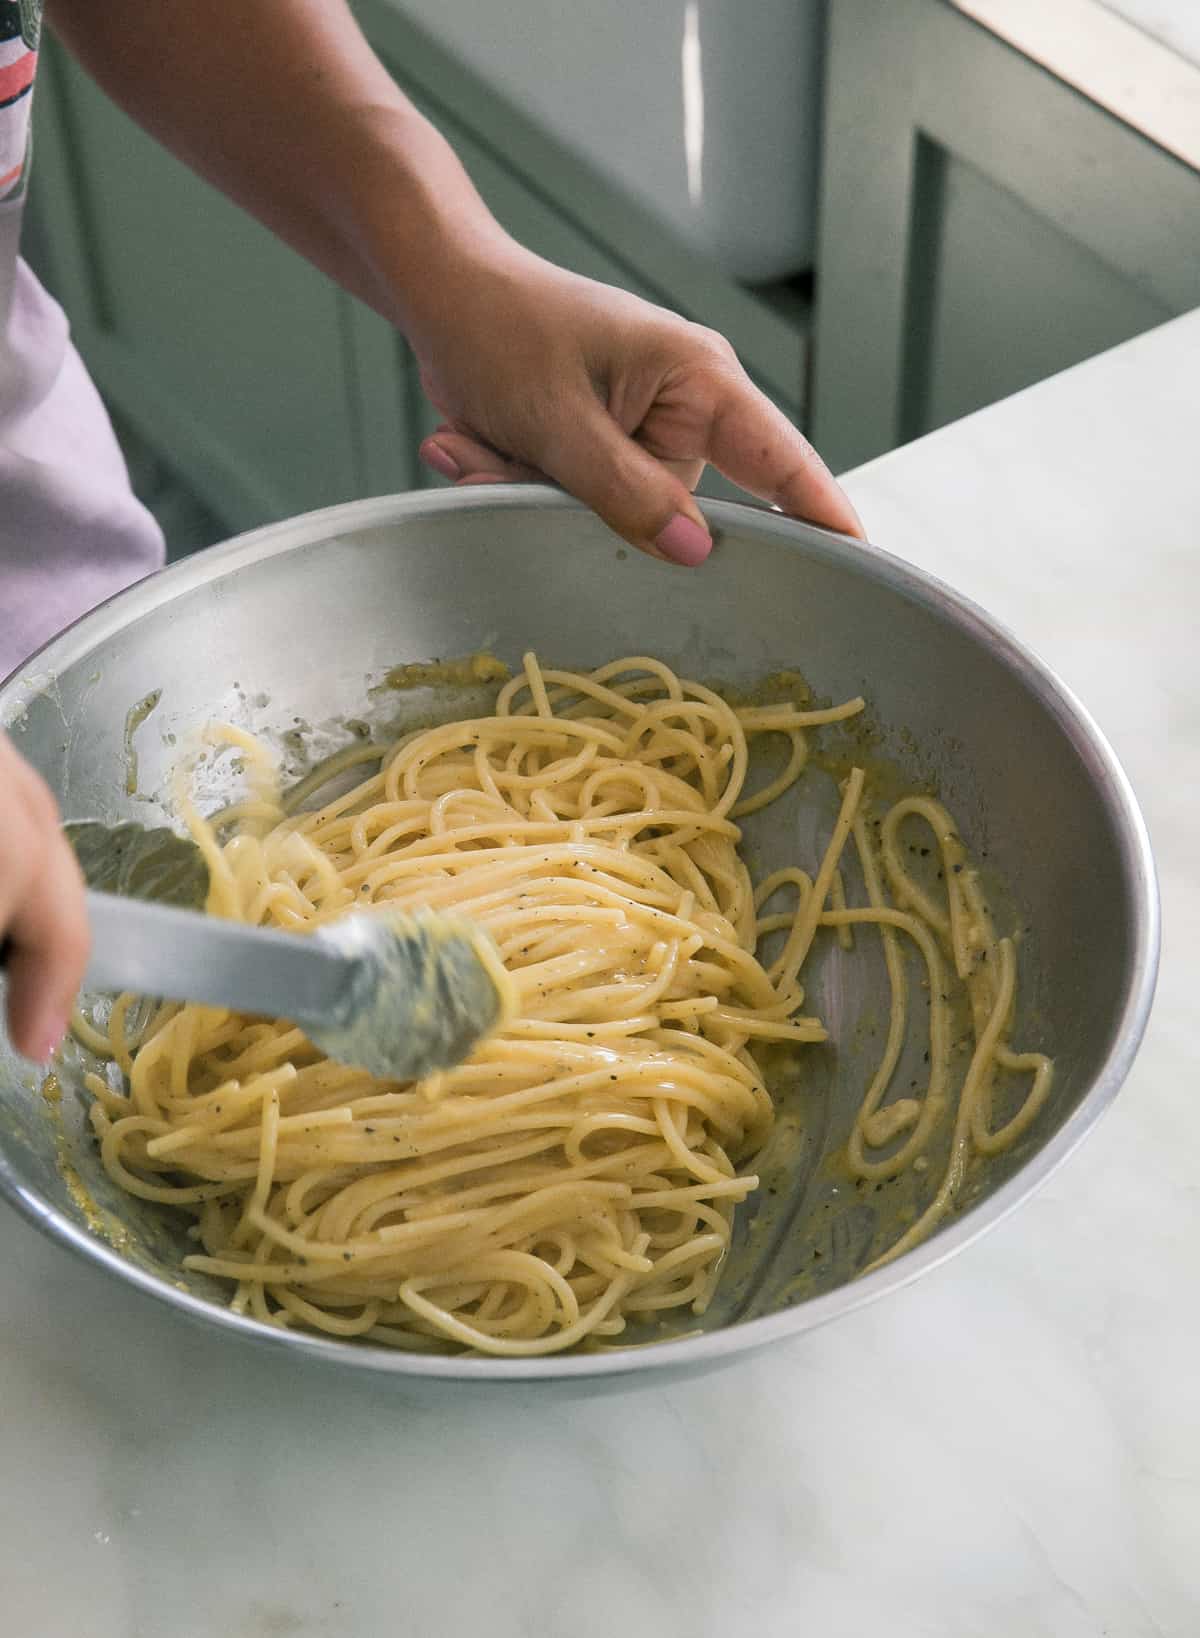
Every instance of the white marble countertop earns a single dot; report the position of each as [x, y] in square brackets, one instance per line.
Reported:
[1175, 22]
[1139, 59]
[1008, 1449]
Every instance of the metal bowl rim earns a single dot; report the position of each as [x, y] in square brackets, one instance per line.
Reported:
[915, 584]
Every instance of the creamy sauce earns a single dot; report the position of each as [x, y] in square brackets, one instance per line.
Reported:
[101, 1223]
[462, 673]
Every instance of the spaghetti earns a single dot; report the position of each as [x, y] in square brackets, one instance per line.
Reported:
[581, 1170]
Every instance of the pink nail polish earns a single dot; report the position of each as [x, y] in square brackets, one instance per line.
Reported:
[435, 456]
[684, 541]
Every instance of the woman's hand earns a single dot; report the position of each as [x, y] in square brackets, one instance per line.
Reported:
[42, 914]
[542, 374]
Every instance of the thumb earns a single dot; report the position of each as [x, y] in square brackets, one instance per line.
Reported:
[635, 494]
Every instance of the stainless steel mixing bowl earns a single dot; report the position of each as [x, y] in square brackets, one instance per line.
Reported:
[291, 631]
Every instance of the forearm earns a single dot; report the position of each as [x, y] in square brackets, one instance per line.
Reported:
[284, 106]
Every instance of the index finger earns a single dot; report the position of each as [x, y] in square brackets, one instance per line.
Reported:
[754, 444]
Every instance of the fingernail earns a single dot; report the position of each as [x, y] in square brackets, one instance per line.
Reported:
[684, 541]
[435, 456]
[50, 1041]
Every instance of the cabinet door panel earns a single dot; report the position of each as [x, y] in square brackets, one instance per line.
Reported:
[212, 310]
[1050, 302]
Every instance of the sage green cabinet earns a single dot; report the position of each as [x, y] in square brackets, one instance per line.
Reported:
[984, 224]
[1013, 299]
[223, 348]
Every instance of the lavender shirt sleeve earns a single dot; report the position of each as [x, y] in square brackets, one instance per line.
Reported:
[71, 531]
